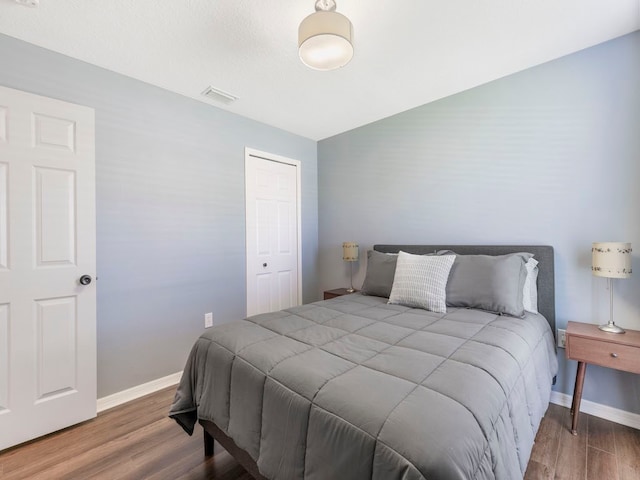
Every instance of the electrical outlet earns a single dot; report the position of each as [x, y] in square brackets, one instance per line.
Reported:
[562, 338]
[208, 320]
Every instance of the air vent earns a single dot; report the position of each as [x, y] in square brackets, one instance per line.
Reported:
[219, 95]
[29, 3]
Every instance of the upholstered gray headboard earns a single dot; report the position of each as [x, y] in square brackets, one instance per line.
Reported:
[542, 253]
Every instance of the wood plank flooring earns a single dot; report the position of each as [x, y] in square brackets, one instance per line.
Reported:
[602, 450]
[137, 441]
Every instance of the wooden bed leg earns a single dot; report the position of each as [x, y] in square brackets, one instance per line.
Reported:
[208, 444]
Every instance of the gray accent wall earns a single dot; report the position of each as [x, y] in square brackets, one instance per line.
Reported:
[550, 155]
[170, 209]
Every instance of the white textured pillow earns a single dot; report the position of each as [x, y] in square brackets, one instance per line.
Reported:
[421, 280]
[530, 289]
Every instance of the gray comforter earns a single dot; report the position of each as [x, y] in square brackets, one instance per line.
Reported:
[353, 388]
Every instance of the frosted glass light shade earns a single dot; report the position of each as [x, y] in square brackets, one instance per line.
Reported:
[350, 252]
[325, 40]
[611, 259]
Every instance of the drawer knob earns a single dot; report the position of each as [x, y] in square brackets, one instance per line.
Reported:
[614, 355]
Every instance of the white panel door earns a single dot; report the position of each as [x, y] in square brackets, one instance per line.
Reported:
[272, 222]
[47, 243]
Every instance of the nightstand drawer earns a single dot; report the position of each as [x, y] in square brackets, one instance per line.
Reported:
[606, 354]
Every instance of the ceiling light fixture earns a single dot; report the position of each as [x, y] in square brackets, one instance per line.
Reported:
[325, 38]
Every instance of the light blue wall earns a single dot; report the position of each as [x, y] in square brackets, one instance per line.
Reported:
[550, 156]
[170, 209]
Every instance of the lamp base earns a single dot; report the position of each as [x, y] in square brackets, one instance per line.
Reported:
[611, 328]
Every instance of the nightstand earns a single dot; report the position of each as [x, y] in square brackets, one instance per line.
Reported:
[586, 343]
[336, 292]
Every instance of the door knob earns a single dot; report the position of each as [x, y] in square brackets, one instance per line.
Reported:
[85, 279]
[264, 265]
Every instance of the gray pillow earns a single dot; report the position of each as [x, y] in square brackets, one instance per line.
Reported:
[381, 269]
[489, 282]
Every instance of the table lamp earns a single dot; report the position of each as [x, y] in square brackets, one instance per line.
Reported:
[611, 260]
[350, 254]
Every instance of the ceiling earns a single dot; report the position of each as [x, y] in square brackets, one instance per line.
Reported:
[407, 52]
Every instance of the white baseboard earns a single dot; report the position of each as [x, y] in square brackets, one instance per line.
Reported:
[138, 391]
[598, 410]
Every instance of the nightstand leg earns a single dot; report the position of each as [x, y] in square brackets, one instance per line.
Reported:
[577, 396]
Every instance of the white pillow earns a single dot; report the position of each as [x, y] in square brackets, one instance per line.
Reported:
[421, 280]
[530, 289]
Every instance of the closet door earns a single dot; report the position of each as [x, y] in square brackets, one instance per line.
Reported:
[273, 232]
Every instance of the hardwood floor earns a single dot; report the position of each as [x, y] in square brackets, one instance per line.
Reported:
[133, 441]
[137, 441]
[602, 450]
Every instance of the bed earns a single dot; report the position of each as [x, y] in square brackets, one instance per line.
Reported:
[359, 388]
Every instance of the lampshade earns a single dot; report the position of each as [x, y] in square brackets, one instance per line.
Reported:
[350, 252]
[611, 259]
[325, 38]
